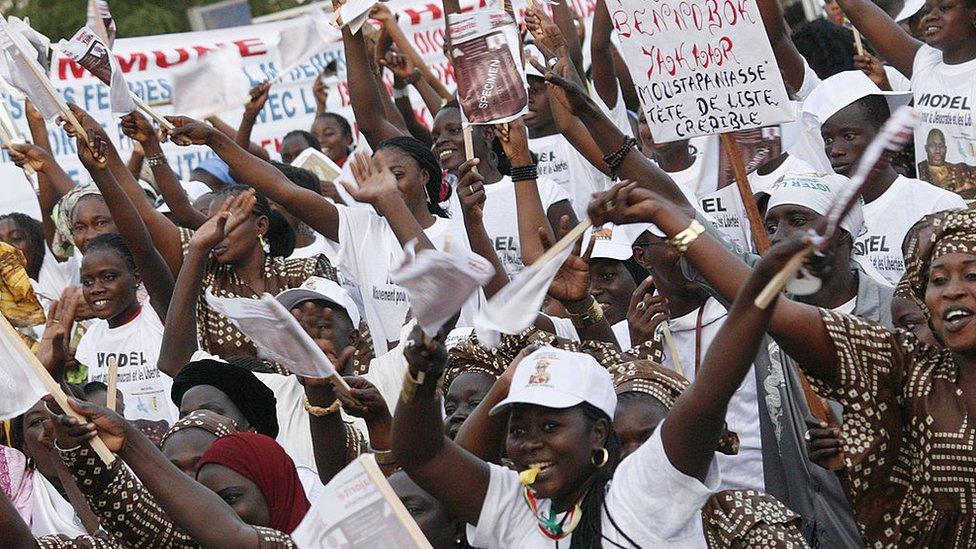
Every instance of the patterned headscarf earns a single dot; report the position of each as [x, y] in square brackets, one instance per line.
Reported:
[951, 231]
[64, 244]
[208, 420]
[665, 386]
[17, 299]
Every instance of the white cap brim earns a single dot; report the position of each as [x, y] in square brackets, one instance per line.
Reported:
[910, 8]
[292, 297]
[544, 396]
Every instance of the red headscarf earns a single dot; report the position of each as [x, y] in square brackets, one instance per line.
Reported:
[261, 460]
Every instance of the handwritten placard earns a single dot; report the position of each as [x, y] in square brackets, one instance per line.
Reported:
[700, 66]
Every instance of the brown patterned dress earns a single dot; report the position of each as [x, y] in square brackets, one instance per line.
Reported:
[909, 442]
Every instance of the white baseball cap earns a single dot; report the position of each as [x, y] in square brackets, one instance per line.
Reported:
[844, 88]
[804, 186]
[531, 51]
[910, 8]
[317, 287]
[555, 378]
[193, 190]
[613, 241]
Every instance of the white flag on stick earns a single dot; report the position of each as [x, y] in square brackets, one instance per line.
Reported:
[215, 82]
[100, 19]
[22, 71]
[308, 36]
[354, 13]
[277, 335]
[20, 388]
[88, 50]
[516, 306]
[37, 41]
[439, 282]
[358, 509]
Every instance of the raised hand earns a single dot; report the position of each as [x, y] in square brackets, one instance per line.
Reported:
[28, 155]
[645, 313]
[471, 190]
[572, 281]
[138, 128]
[564, 83]
[624, 203]
[321, 92]
[514, 137]
[547, 35]
[373, 177]
[52, 350]
[101, 422]
[365, 401]
[188, 131]
[92, 156]
[259, 96]
[424, 354]
[222, 221]
[402, 67]
[873, 68]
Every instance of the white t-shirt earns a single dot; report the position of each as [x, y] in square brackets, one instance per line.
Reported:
[134, 346]
[501, 217]
[369, 251]
[889, 217]
[744, 470]
[897, 80]
[701, 178]
[55, 276]
[562, 163]
[651, 502]
[944, 98]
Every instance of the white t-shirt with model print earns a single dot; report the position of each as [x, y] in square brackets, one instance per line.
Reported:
[562, 163]
[888, 218]
[369, 251]
[501, 217]
[134, 347]
[649, 503]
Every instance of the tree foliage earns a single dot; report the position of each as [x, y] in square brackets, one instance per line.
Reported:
[62, 18]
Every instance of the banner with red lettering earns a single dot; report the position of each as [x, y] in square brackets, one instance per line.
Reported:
[148, 64]
[700, 66]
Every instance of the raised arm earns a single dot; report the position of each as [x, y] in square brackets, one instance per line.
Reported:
[890, 40]
[259, 96]
[365, 95]
[528, 203]
[787, 57]
[165, 234]
[797, 327]
[382, 14]
[180, 331]
[471, 194]
[695, 423]
[453, 476]
[138, 128]
[405, 75]
[226, 129]
[153, 270]
[52, 182]
[193, 508]
[562, 16]
[307, 205]
[602, 70]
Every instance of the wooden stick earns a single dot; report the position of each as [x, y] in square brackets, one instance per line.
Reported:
[113, 383]
[468, 143]
[818, 409]
[163, 123]
[781, 279]
[567, 240]
[857, 42]
[756, 226]
[52, 387]
[375, 474]
[672, 348]
[49, 87]
[340, 384]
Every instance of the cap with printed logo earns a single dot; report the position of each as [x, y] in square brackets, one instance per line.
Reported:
[317, 287]
[554, 378]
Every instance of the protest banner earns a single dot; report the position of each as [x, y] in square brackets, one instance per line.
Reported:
[485, 49]
[358, 509]
[212, 83]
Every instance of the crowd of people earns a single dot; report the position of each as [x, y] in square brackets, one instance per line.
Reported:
[652, 402]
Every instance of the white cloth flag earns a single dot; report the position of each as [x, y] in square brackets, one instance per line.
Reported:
[18, 59]
[354, 13]
[88, 50]
[517, 305]
[215, 82]
[20, 388]
[439, 282]
[38, 42]
[100, 16]
[358, 509]
[309, 35]
[276, 333]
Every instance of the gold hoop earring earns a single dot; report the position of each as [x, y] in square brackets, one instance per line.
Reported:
[605, 457]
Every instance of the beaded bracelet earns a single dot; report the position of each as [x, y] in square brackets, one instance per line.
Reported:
[616, 158]
[524, 173]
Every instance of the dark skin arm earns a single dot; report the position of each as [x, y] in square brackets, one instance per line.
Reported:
[14, 532]
[226, 129]
[307, 205]
[695, 422]
[52, 181]
[137, 127]
[367, 403]
[563, 17]
[405, 74]
[798, 328]
[365, 94]
[458, 479]
[891, 41]
[259, 96]
[601, 51]
[787, 57]
[153, 271]
[180, 330]
[471, 193]
[198, 511]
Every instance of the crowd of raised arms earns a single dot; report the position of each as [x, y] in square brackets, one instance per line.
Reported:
[652, 403]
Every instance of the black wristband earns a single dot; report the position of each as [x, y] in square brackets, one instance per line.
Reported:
[616, 158]
[524, 173]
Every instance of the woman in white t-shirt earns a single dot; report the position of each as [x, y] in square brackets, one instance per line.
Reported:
[943, 77]
[574, 490]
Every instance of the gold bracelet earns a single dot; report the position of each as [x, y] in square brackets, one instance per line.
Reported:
[685, 238]
[592, 315]
[319, 411]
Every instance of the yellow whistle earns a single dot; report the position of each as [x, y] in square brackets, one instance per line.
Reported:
[528, 476]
